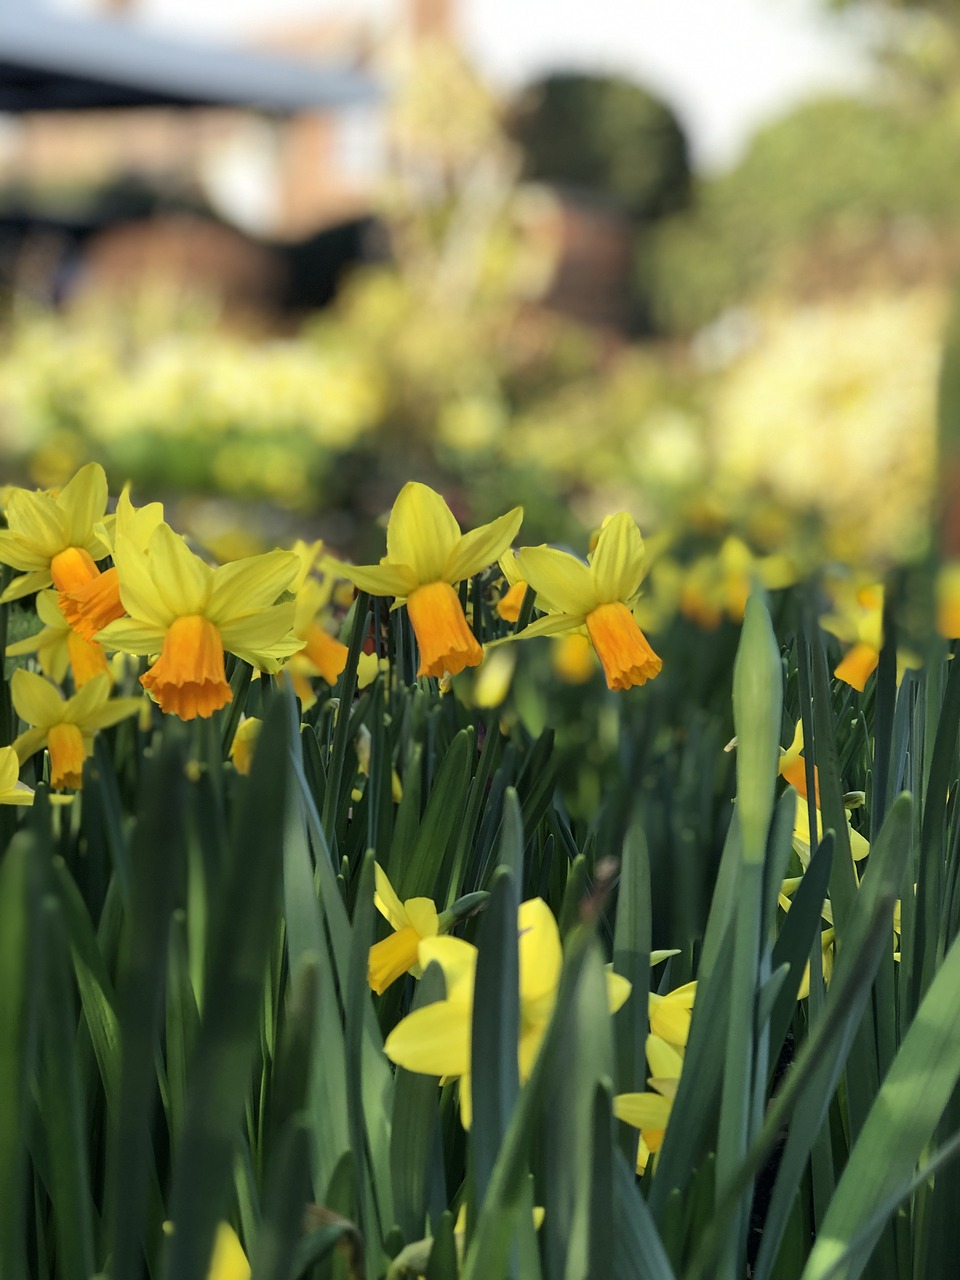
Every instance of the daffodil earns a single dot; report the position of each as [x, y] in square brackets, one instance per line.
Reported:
[411, 921]
[65, 726]
[245, 742]
[793, 766]
[426, 556]
[229, 1262]
[596, 596]
[670, 1014]
[192, 614]
[59, 647]
[436, 1040]
[858, 622]
[12, 790]
[55, 538]
[650, 1111]
[509, 604]
[93, 604]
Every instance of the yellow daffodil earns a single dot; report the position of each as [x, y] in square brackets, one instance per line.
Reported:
[322, 653]
[94, 604]
[859, 624]
[12, 790]
[65, 726]
[650, 1112]
[58, 647]
[244, 743]
[229, 1262]
[412, 921]
[508, 606]
[859, 845]
[436, 1040]
[793, 767]
[192, 614]
[55, 538]
[596, 596]
[670, 1014]
[426, 556]
[573, 659]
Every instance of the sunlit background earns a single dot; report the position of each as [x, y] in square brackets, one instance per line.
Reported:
[689, 259]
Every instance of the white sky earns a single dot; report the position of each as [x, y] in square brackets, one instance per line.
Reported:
[724, 65]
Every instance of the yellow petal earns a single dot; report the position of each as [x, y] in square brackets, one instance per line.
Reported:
[25, 584]
[252, 583]
[618, 990]
[261, 630]
[35, 699]
[392, 958]
[482, 546]
[229, 1262]
[138, 591]
[83, 501]
[541, 956]
[434, 1041]
[384, 579]
[422, 532]
[181, 579]
[666, 1061]
[457, 959]
[617, 563]
[562, 582]
[36, 520]
[642, 1110]
[132, 636]
[386, 900]
[422, 914]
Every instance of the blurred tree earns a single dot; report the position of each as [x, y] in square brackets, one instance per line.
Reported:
[606, 135]
[836, 192]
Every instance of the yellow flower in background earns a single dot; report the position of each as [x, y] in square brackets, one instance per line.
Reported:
[573, 658]
[858, 622]
[670, 1014]
[717, 586]
[12, 790]
[596, 596]
[229, 1262]
[245, 743]
[436, 1040]
[192, 614]
[55, 538]
[58, 647]
[94, 604]
[411, 921]
[650, 1111]
[948, 600]
[426, 556]
[65, 726]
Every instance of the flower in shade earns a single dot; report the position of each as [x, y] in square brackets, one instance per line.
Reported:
[58, 647]
[90, 606]
[192, 614]
[596, 597]
[436, 1040]
[228, 1262]
[65, 726]
[411, 922]
[55, 537]
[12, 790]
[650, 1111]
[245, 742]
[426, 556]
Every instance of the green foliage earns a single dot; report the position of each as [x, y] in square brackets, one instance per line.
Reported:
[604, 135]
[833, 193]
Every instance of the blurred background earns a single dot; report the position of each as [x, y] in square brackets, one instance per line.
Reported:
[691, 258]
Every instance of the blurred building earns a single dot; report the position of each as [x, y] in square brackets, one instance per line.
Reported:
[128, 152]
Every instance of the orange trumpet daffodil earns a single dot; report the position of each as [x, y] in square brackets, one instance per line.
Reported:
[595, 597]
[192, 614]
[426, 555]
[55, 538]
[65, 726]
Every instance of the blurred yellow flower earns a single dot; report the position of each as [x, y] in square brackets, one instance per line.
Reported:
[66, 726]
[426, 555]
[245, 743]
[12, 790]
[229, 1262]
[650, 1111]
